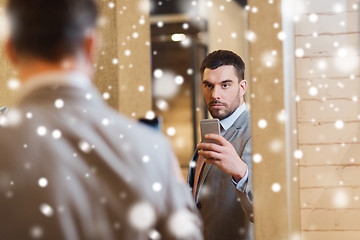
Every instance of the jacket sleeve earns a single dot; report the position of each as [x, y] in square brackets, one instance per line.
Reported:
[246, 196]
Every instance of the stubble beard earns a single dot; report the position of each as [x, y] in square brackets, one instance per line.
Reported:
[223, 113]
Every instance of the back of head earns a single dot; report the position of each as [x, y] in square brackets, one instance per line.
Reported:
[222, 58]
[50, 29]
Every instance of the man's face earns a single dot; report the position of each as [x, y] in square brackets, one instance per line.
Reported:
[222, 91]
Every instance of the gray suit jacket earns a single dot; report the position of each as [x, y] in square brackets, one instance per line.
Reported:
[105, 177]
[226, 212]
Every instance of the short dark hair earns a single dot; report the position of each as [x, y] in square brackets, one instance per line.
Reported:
[50, 29]
[222, 58]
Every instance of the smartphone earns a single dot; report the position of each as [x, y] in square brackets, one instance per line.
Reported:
[209, 126]
[3, 109]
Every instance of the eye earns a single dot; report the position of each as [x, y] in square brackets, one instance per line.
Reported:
[225, 85]
[208, 86]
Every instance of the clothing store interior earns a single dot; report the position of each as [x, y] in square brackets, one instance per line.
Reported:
[303, 83]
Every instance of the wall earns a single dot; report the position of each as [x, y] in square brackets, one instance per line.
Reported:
[275, 172]
[328, 86]
[228, 24]
[125, 48]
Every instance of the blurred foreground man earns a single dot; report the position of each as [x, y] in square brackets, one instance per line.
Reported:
[71, 167]
[220, 173]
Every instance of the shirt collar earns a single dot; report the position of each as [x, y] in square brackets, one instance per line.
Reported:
[226, 123]
[73, 79]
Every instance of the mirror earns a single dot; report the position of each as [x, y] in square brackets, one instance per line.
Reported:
[182, 33]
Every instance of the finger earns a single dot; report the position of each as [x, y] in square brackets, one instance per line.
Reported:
[212, 161]
[210, 154]
[216, 137]
[210, 146]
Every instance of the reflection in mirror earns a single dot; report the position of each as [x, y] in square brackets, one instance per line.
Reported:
[182, 35]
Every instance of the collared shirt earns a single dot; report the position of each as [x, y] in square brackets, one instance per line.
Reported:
[226, 124]
[229, 121]
[57, 78]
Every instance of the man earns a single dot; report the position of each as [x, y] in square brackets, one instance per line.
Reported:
[71, 167]
[220, 172]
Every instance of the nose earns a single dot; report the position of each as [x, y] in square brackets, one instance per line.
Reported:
[215, 94]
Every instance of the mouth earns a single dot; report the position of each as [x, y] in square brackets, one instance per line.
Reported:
[216, 105]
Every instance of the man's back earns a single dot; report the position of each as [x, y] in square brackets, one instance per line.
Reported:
[71, 168]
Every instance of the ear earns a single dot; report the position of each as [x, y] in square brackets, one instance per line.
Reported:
[90, 45]
[243, 87]
[10, 52]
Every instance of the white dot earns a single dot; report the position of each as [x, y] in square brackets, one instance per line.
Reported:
[276, 187]
[171, 131]
[36, 232]
[158, 73]
[105, 121]
[276, 25]
[313, 17]
[262, 123]
[299, 52]
[160, 24]
[84, 146]
[257, 158]
[46, 209]
[339, 124]
[59, 103]
[250, 36]
[150, 115]
[189, 71]
[141, 88]
[254, 9]
[13, 84]
[43, 182]
[313, 91]
[185, 26]
[115, 61]
[322, 65]
[41, 131]
[180, 224]
[338, 8]
[29, 115]
[135, 35]
[162, 104]
[157, 187]
[56, 134]
[141, 216]
[298, 154]
[154, 235]
[145, 158]
[88, 96]
[340, 199]
[142, 21]
[111, 5]
[106, 95]
[281, 36]
[179, 80]
[127, 52]
[233, 35]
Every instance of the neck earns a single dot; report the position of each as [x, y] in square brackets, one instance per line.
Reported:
[33, 67]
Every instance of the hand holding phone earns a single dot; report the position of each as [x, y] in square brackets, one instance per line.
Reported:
[209, 126]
